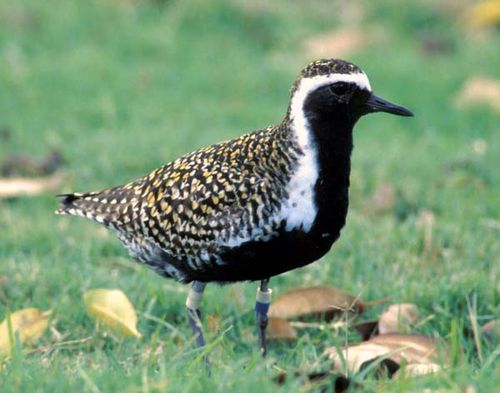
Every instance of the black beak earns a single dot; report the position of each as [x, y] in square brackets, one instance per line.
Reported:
[377, 104]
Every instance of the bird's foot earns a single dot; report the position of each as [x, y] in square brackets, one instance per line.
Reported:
[263, 300]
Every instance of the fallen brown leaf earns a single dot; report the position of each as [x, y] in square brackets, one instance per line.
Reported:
[418, 369]
[398, 348]
[311, 300]
[337, 43]
[420, 348]
[280, 329]
[28, 325]
[398, 318]
[14, 187]
[480, 90]
[317, 301]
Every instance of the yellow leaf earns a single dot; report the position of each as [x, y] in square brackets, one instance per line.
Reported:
[28, 325]
[484, 14]
[112, 308]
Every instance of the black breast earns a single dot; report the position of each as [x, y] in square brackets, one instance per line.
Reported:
[332, 187]
[331, 125]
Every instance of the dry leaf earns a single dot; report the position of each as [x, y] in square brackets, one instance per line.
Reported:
[112, 308]
[415, 348]
[28, 325]
[280, 329]
[398, 318]
[338, 43]
[491, 330]
[480, 90]
[418, 369]
[382, 200]
[316, 301]
[356, 356]
[483, 14]
[13, 187]
[398, 348]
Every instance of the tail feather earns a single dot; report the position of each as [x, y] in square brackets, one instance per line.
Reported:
[77, 204]
[108, 207]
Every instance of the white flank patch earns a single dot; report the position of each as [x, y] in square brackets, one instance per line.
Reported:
[299, 210]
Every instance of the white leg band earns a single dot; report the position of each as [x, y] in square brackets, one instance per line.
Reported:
[264, 297]
[193, 300]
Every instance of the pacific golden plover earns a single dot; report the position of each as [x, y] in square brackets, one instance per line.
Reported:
[250, 208]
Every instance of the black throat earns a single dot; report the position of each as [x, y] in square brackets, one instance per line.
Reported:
[331, 131]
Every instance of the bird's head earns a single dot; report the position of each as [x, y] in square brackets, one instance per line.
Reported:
[336, 89]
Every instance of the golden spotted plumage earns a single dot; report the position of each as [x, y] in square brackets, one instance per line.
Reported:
[187, 208]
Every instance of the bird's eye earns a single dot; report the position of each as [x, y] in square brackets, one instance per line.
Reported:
[339, 88]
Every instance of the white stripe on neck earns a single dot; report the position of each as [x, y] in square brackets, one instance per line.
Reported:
[299, 210]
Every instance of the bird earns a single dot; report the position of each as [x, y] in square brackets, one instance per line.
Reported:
[252, 207]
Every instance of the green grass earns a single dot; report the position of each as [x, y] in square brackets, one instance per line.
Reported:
[122, 86]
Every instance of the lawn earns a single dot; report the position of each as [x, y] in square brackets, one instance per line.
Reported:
[121, 86]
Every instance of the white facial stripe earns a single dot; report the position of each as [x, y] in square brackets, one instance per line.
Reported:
[310, 84]
[300, 210]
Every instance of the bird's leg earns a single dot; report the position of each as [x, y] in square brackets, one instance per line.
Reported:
[261, 308]
[193, 309]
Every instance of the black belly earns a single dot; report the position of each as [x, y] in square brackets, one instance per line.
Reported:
[260, 260]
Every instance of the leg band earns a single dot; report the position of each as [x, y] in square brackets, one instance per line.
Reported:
[193, 309]
[193, 300]
[262, 303]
